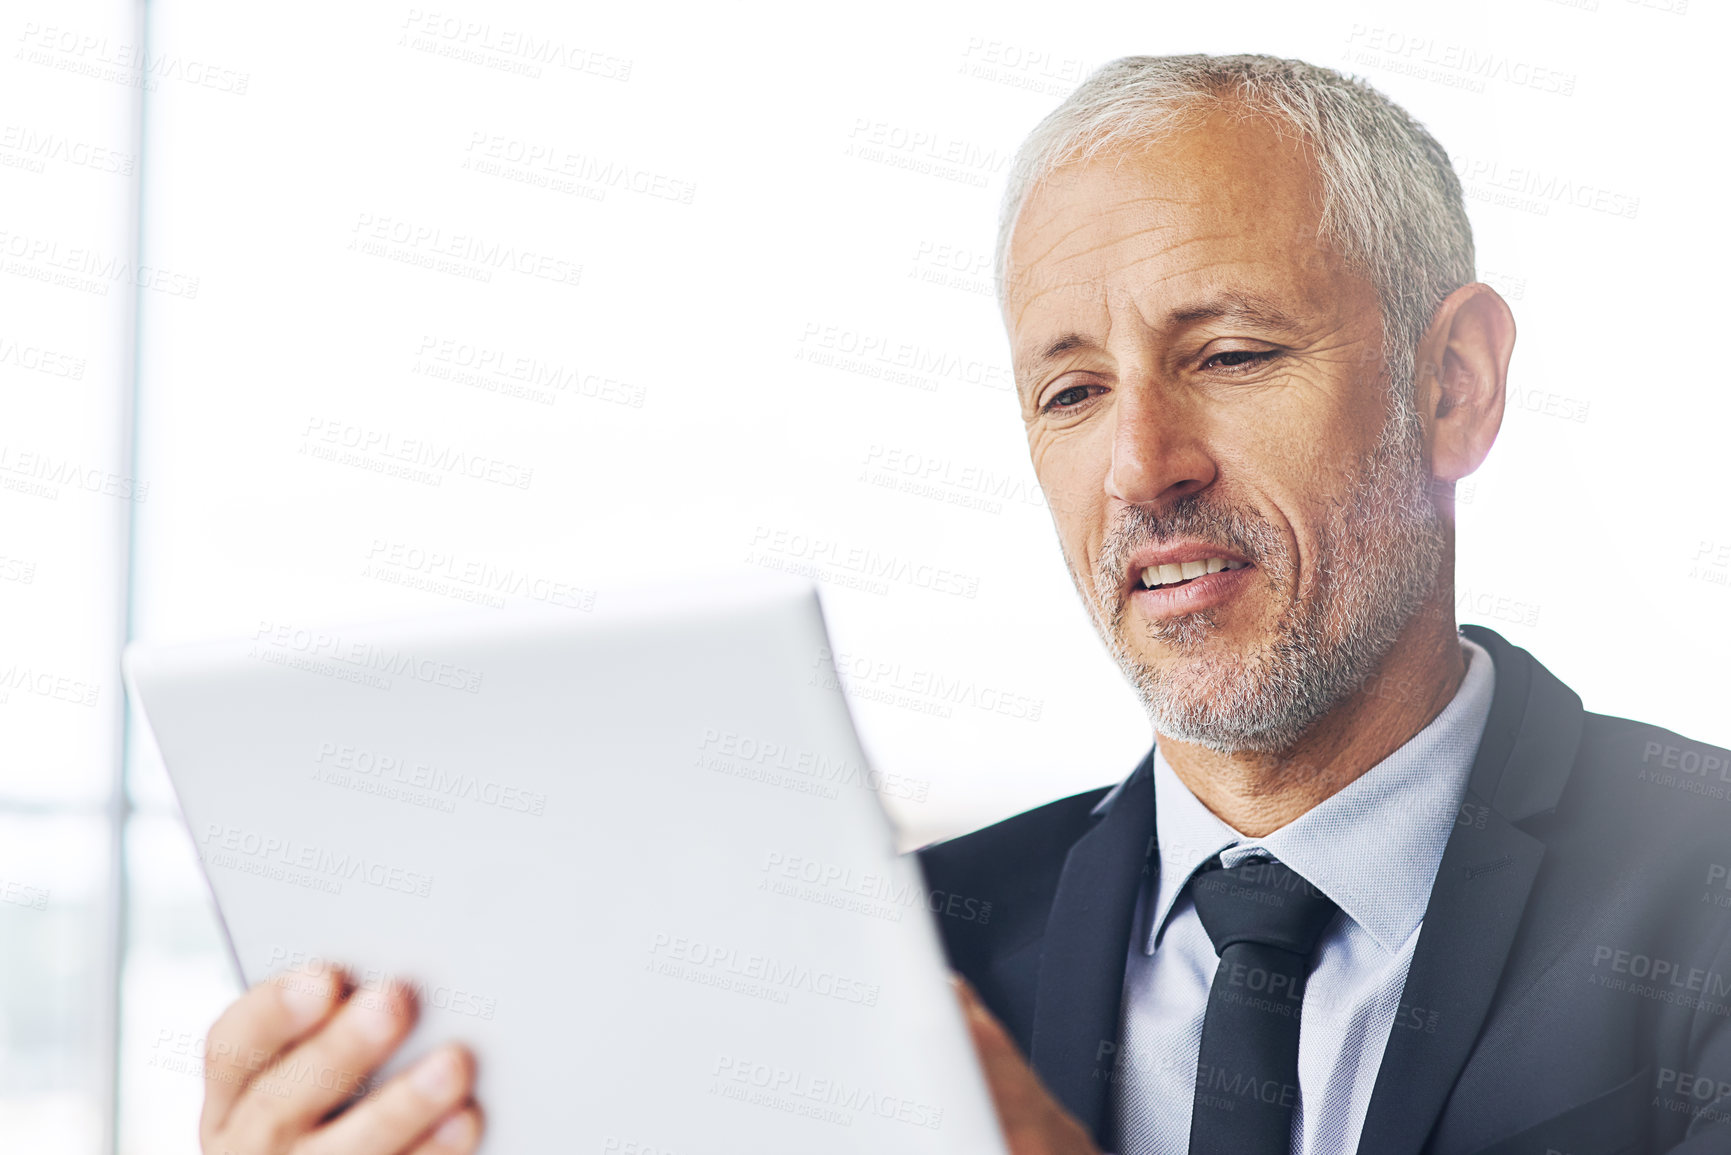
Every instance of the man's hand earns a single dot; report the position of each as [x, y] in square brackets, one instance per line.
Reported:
[296, 1047]
[1034, 1123]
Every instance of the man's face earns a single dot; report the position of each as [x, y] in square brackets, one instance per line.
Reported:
[1208, 408]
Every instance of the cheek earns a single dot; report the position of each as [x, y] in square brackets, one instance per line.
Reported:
[1301, 457]
[1071, 467]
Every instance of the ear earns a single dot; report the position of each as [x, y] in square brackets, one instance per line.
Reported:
[1463, 372]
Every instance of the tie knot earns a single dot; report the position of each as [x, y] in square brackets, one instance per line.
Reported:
[1261, 901]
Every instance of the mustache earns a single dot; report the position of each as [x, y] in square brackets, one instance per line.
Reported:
[1238, 529]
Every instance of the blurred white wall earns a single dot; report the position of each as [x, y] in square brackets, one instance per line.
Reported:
[69, 169]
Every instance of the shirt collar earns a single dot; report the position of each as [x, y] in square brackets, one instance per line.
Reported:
[1373, 847]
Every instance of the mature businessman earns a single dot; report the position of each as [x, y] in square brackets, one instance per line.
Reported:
[1253, 364]
[1380, 885]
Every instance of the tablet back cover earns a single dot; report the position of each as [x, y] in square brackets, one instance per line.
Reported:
[634, 859]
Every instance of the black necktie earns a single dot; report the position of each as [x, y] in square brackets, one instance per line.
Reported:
[1264, 920]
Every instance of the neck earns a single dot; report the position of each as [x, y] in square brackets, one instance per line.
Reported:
[1257, 792]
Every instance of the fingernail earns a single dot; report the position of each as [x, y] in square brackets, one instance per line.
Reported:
[373, 1012]
[435, 1076]
[306, 998]
[455, 1131]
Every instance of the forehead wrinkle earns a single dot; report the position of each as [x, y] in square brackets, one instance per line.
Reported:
[1054, 212]
[1030, 302]
[1128, 237]
[1092, 222]
[1037, 294]
[1059, 286]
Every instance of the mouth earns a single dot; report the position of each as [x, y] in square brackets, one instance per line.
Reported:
[1183, 578]
[1172, 575]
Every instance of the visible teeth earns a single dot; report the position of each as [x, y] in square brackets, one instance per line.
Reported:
[1165, 575]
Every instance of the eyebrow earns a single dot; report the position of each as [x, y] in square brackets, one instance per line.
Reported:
[1233, 305]
[1068, 343]
[1226, 305]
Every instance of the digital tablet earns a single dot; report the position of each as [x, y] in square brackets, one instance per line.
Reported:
[632, 856]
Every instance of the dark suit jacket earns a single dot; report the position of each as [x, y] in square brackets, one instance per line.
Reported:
[1571, 986]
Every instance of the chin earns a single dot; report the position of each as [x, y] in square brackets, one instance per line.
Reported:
[1201, 724]
[1211, 715]
[1202, 686]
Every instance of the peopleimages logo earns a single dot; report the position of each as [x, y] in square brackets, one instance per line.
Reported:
[46, 473]
[825, 559]
[324, 437]
[729, 752]
[497, 370]
[37, 359]
[372, 981]
[102, 58]
[305, 864]
[924, 691]
[370, 770]
[869, 893]
[282, 644]
[800, 1092]
[47, 684]
[732, 968]
[461, 254]
[88, 270]
[470, 579]
[36, 148]
[1537, 189]
[1662, 974]
[504, 47]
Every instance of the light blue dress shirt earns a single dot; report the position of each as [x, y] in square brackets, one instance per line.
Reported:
[1373, 848]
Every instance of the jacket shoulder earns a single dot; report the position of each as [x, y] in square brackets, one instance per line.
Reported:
[1640, 751]
[1647, 769]
[992, 889]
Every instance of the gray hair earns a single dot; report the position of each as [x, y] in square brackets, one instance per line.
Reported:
[1391, 202]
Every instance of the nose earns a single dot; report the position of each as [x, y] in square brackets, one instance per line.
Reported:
[1158, 454]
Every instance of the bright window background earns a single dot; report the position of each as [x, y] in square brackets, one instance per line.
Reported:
[726, 225]
[68, 246]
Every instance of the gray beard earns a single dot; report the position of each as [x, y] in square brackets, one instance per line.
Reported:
[1380, 551]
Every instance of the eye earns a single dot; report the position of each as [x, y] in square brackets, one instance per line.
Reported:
[1070, 398]
[1240, 359]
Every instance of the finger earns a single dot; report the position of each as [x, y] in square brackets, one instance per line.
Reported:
[457, 1135]
[321, 1072]
[253, 1030]
[1033, 1122]
[402, 1110]
[1007, 1075]
[982, 1023]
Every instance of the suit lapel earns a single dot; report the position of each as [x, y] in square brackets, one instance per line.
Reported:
[1481, 889]
[1076, 1004]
